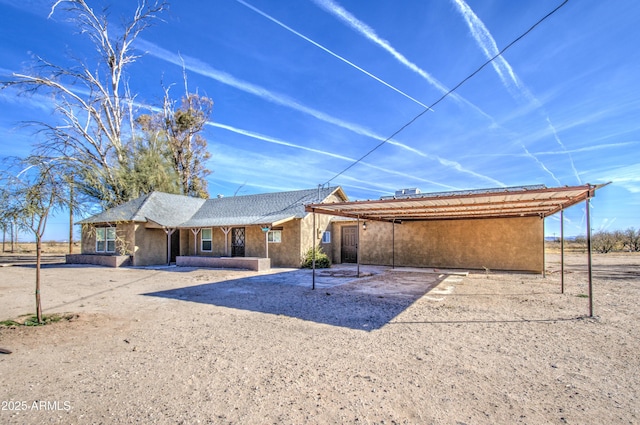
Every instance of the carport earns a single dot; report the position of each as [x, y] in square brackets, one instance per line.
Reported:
[508, 202]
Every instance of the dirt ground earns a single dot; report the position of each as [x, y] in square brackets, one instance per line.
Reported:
[404, 346]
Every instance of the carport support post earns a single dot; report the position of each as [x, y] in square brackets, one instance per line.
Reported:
[544, 262]
[393, 244]
[562, 251]
[589, 259]
[358, 248]
[313, 255]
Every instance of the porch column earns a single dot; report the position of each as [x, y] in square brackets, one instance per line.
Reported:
[195, 240]
[226, 231]
[169, 231]
[266, 229]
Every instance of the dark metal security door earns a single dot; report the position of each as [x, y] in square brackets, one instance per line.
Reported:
[175, 245]
[349, 244]
[237, 242]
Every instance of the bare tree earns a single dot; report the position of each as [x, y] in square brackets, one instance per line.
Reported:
[32, 194]
[94, 102]
[631, 238]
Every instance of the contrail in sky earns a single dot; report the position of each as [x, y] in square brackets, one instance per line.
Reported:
[488, 45]
[204, 69]
[362, 28]
[337, 56]
[269, 139]
[530, 155]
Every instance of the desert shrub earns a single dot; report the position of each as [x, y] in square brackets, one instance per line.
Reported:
[322, 260]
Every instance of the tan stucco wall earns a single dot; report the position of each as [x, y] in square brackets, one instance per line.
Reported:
[150, 246]
[323, 224]
[124, 239]
[497, 244]
[283, 254]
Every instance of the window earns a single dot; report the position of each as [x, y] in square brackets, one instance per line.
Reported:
[326, 237]
[206, 239]
[105, 239]
[274, 236]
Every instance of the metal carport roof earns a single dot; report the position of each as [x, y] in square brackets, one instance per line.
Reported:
[523, 201]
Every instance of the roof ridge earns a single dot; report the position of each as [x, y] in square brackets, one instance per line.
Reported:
[146, 200]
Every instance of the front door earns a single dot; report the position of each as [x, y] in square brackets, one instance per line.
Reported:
[175, 245]
[237, 242]
[349, 244]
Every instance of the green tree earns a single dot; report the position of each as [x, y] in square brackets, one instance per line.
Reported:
[181, 128]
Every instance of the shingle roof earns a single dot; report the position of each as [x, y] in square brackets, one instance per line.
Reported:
[163, 208]
[266, 208]
[183, 211]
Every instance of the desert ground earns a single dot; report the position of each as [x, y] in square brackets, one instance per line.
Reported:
[394, 346]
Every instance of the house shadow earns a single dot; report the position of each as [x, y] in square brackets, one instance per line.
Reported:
[365, 303]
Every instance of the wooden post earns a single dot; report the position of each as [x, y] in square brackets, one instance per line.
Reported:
[226, 231]
[195, 240]
[169, 231]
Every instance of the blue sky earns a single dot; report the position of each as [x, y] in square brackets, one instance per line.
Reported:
[304, 88]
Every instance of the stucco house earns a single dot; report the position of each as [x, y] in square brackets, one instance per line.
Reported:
[160, 228]
[497, 229]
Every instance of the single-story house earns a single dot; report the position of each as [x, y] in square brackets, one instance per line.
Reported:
[159, 228]
[497, 229]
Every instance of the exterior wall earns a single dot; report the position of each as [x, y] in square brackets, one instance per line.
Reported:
[125, 239]
[150, 246]
[283, 254]
[497, 244]
[287, 252]
[323, 224]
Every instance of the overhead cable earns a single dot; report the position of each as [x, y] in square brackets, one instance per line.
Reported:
[449, 92]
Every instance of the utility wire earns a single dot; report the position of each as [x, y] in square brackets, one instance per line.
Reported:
[448, 93]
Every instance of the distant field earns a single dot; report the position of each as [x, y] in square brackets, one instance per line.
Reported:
[47, 248]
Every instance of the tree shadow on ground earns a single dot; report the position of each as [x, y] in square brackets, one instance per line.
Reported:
[355, 303]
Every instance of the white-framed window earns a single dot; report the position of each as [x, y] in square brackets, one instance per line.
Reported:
[206, 240]
[326, 237]
[105, 239]
[274, 236]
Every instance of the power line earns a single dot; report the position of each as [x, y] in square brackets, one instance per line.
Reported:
[449, 92]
